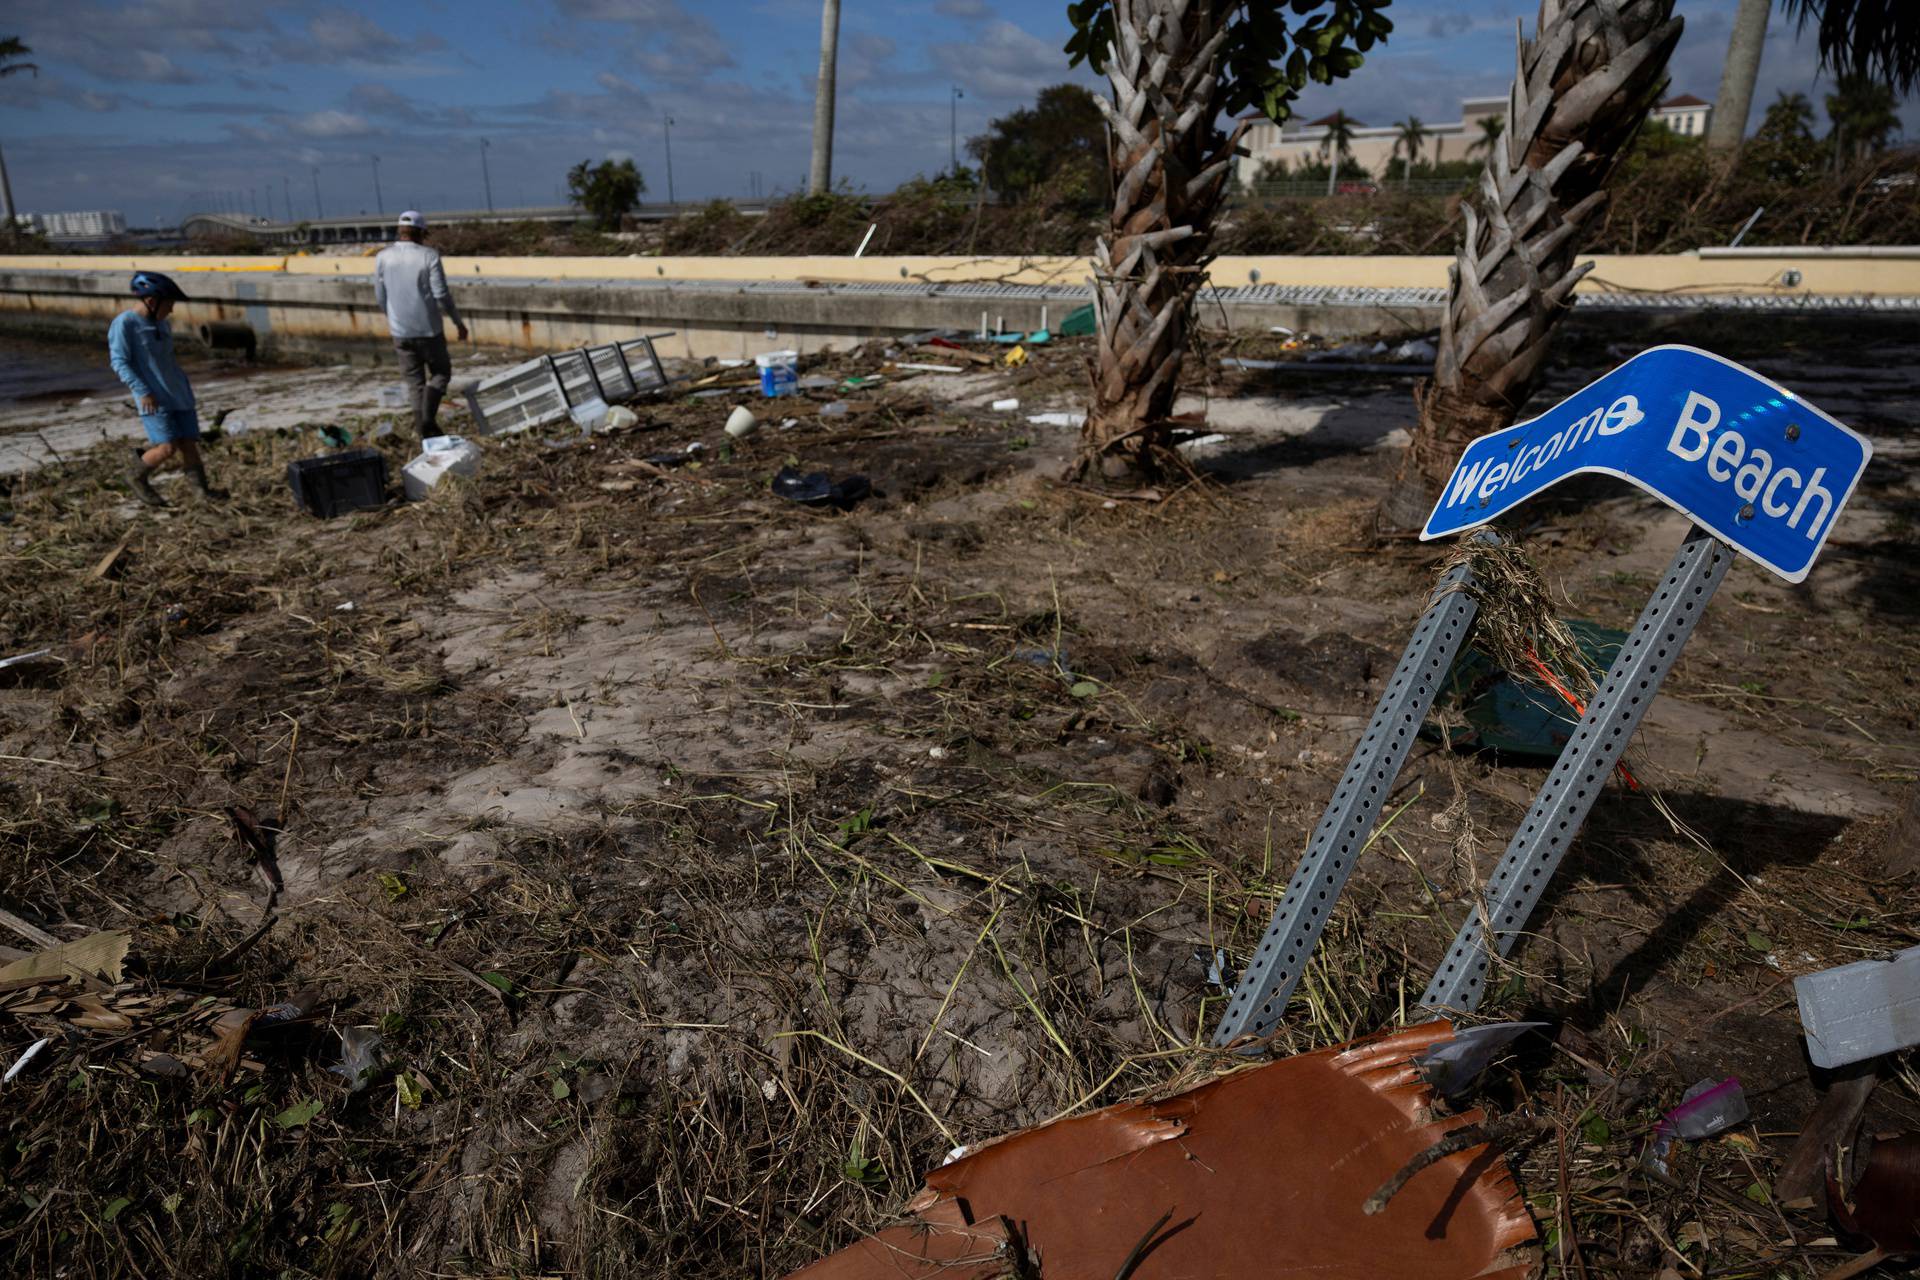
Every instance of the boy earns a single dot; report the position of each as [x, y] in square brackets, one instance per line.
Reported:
[140, 343]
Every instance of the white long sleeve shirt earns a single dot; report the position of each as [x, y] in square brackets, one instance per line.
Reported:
[411, 287]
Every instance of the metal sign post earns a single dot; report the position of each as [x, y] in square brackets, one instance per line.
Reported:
[1759, 471]
[1585, 763]
[1276, 966]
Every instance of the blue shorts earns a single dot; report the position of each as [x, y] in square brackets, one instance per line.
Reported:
[170, 426]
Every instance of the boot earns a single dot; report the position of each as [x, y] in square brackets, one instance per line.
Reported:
[425, 422]
[199, 477]
[140, 477]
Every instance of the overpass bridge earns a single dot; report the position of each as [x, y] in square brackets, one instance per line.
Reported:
[378, 228]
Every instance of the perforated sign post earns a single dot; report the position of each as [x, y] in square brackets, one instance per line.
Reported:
[1760, 472]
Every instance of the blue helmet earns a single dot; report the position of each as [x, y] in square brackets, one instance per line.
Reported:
[151, 284]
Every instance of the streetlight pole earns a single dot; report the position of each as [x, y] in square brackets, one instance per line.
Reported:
[318, 212]
[379, 201]
[669, 137]
[286, 189]
[953, 130]
[485, 176]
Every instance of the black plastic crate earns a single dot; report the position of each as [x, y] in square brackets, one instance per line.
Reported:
[352, 480]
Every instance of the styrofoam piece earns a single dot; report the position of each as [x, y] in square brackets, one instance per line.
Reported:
[620, 417]
[1005, 406]
[441, 444]
[1861, 1010]
[1057, 419]
[419, 477]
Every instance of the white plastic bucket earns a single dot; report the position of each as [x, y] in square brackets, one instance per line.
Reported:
[779, 372]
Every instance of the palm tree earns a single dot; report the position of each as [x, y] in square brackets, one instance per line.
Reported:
[1337, 145]
[1876, 38]
[1584, 85]
[12, 53]
[1790, 118]
[820, 172]
[1411, 139]
[1491, 127]
[1729, 123]
[1861, 111]
[1178, 69]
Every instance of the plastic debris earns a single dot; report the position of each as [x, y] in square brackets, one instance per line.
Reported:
[336, 437]
[1005, 406]
[588, 415]
[837, 409]
[741, 423]
[1415, 349]
[1016, 357]
[362, 1054]
[1079, 322]
[932, 368]
[858, 383]
[1452, 1066]
[27, 1055]
[1074, 420]
[1704, 1110]
[620, 417]
[818, 489]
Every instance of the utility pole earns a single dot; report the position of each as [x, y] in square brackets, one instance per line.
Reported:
[820, 175]
[318, 212]
[953, 130]
[253, 201]
[379, 201]
[6, 197]
[485, 176]
[669, 137]
[286, 189]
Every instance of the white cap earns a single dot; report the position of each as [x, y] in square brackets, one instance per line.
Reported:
[415, 219]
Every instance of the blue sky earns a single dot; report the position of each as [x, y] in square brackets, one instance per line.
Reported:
[143, 107]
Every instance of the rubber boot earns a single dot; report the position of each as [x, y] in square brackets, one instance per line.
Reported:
[199, 477]
[140, 477]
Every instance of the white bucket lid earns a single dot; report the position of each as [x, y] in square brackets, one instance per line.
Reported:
[766, 359]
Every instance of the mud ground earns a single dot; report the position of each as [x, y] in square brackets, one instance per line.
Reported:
[708, 866]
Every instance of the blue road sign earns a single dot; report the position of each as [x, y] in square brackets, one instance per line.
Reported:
[1747, 460]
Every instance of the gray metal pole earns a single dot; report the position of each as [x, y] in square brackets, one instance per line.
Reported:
[379, 201]
[485, 176]
[1589, 756]
[1270, 977]
[820, 171]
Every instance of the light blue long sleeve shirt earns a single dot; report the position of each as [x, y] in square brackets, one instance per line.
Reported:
[411, 287]
[141, 349]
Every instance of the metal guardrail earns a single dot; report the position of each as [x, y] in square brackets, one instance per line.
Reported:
[1316, 188]
[1243, 295]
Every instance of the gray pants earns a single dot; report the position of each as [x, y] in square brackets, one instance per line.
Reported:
[427, 369]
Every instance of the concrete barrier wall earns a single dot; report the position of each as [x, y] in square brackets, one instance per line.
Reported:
[1866, 270]
[324, 305]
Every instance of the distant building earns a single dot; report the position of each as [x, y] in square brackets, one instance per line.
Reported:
[98, 224]
[1685, 115]
[1372, 147]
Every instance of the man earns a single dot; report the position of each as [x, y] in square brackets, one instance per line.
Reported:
[411, 286]
[140, 344]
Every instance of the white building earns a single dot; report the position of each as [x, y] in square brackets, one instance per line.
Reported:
[1374, 147]
[1686, 115]
[97, 224]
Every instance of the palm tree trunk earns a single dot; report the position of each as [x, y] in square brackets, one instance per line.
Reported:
[820, 174]
[1729, 123]
[1170, 164]
[1582, 90]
